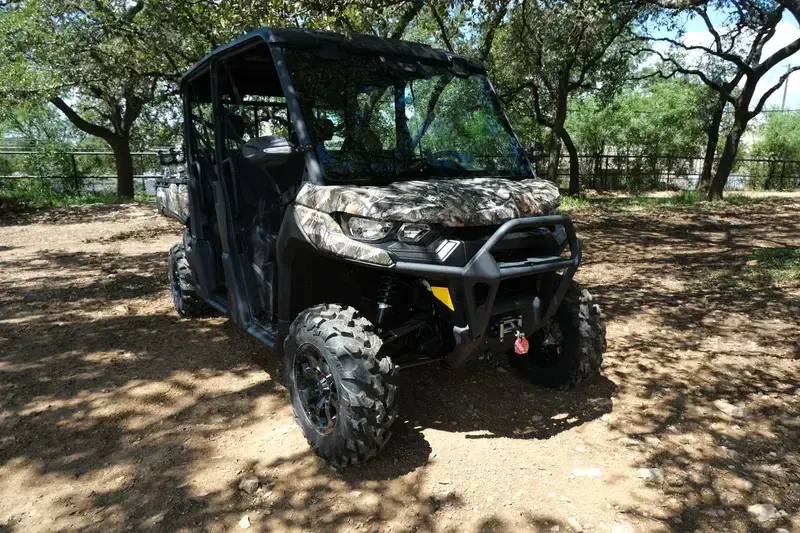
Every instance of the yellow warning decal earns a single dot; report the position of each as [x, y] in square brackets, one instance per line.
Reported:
[443, 295]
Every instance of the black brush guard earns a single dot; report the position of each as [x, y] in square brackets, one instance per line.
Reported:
[484, 269]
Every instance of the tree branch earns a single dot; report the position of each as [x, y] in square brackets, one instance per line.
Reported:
[133, 107]
[80, 122]
[777, 57]
[732, 58]
[488, 39]
[537, 108]
[764, 97]
[132, 11]
[406, 19]
[764, 34]
[438, 18]
[703, 12]
[685, 70]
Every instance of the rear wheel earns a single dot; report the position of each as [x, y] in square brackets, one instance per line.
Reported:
[342, 389]
[572, 346]
[185, 297]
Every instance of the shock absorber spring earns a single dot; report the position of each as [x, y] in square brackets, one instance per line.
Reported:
[386, 293]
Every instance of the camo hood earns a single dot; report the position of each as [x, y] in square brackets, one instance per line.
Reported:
[455, 203]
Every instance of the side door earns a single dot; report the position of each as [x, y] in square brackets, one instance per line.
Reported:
[200, 149]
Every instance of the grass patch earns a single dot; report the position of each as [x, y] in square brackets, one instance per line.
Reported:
[26, 195]
[776, 266]
[682, 201]
[763, 268]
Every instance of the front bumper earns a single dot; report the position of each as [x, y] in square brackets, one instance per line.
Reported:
[483, 275]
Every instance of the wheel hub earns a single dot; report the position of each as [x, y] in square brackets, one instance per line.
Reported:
[316, 389]
[552, 344]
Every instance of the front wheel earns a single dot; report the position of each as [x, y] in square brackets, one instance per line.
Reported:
[342, 389]
[185, 296]
[572, 346]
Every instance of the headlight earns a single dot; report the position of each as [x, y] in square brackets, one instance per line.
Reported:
[412, 232]
[365, 229]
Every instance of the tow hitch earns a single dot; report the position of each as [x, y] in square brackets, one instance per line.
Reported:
[521, 345]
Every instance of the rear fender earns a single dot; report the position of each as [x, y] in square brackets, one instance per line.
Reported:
[172, 198]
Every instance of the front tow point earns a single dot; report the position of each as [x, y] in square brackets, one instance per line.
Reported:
[521, 345]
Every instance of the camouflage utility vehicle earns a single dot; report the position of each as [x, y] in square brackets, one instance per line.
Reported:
[361, 205]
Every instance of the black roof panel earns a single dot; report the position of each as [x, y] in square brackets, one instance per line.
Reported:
[353, 42]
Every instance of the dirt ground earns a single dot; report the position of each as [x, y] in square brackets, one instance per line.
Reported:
[117, 415]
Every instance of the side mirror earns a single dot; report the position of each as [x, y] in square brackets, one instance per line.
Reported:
[536, 151]
[269, 151]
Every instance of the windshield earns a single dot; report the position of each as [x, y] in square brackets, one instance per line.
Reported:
[375, 119]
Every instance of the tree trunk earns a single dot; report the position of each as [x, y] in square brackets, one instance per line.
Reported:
[124, 164]
[727, 159]
[598, 168]
[712, 132]
[574, 169]
[554, 152]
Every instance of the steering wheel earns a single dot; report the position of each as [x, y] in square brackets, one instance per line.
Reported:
[450, 155]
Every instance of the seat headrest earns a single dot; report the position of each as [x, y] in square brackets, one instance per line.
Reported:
[322, 130]
[236, 124]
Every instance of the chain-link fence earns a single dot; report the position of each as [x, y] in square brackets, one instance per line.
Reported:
[95, 171]
[642, 173]
[75, 171]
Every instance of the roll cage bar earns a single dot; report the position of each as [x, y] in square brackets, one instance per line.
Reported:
[328, 44]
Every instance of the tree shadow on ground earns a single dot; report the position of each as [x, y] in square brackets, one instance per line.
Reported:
[487, 403]
[100, 385]
[693, 329]
[77, 214]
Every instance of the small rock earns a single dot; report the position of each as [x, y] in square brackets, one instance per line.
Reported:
[580, 449]
[729, 409]
[651, 475]
[244, 523]
[574, 524]
[444, 482]
[249, 485]
[564, 499]
[763, 512]
[742, 484]
[599, 403]
[587, 472]
[536, 418]
[621, 527]
[555, 528]
[730, 454]
[156, 519]
[627, 441]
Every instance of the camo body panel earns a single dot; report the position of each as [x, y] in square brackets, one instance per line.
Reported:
[326, 234]
[173, 198]
[455, 203]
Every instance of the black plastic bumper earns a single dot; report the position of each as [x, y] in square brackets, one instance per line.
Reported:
[484, 269]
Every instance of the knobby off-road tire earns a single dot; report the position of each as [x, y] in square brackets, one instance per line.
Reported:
[582, 343]
[364, 382]
[185, 298]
